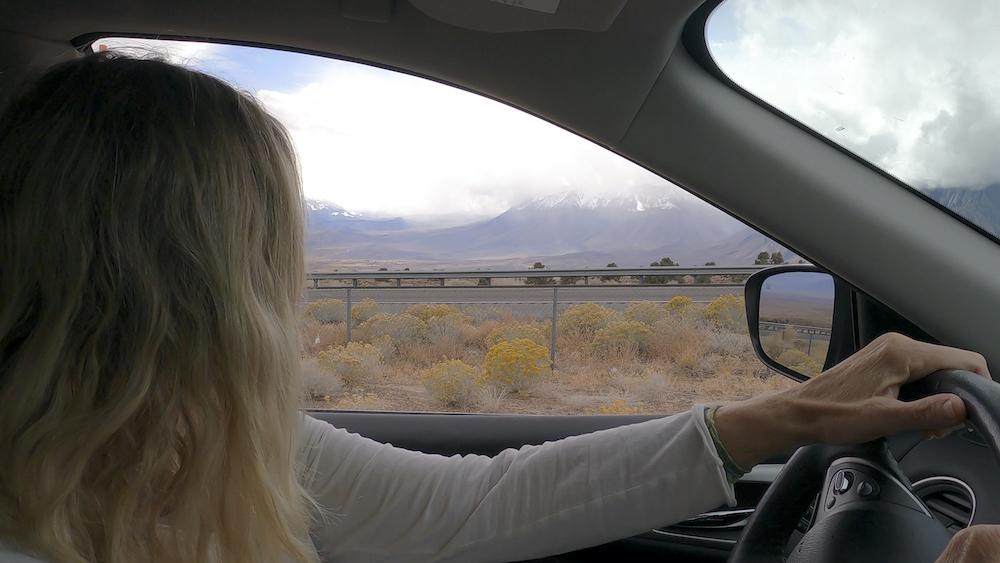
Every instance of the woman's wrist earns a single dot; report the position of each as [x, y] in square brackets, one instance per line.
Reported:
[753, 430]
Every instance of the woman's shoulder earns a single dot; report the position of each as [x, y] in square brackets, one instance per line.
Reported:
[8, 556]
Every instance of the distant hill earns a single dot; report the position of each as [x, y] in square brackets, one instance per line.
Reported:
[981, 206]
[565, 230]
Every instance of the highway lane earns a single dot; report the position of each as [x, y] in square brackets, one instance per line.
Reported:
[523, 300]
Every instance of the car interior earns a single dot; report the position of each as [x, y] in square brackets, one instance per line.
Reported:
[636, 77]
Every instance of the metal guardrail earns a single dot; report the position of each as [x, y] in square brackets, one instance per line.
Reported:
[641, 273]
[801, 329]
[489, 275]
[807, 332]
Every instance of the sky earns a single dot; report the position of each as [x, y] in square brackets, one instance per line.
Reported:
[385, 143]
[911, 85]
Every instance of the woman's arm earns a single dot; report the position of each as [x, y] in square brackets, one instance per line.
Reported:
[390, 504]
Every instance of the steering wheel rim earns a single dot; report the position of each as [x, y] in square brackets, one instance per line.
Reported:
[765, 537]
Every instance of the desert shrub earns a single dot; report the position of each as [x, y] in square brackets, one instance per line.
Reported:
[586, 319]
[516, 365]
[452, 382]
[401, 329]
[386, 347]
[729, 343]
[800, 362]
[355, 363]
[445, 328]
[320, 384]
[680, 306]
[490, 397]
[325, 311]
[619, 407]
[427, 311]
[726, 312]
[645, 312]
[316, 337]
[361, 401]
[363, 310]
[513, 332]
[623, 336]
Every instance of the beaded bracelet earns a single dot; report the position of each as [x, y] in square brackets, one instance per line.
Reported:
[733, 469]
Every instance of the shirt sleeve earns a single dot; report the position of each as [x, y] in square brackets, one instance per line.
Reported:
[385, 503]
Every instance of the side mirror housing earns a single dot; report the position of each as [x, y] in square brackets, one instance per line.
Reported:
[792, 314]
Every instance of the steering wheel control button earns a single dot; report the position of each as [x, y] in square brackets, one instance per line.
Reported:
[865, 488]
[842, 482]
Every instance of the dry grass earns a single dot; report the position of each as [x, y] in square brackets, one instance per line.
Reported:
[684, 362]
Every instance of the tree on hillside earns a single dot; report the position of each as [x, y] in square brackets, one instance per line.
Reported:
[611, 278]
[704, 278]
[762, 259]
[537, 281]
[664, 279]
[777, 258]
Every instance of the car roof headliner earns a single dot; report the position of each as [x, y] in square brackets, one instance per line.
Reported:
[592, 82]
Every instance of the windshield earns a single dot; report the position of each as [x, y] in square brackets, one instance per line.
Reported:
[908, 85]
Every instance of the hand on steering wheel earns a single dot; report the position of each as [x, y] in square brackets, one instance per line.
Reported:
[854, 402]
[864, 508]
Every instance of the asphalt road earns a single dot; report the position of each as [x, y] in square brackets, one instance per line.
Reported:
[523, 301]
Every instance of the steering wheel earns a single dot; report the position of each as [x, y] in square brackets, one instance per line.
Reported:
[866, 511]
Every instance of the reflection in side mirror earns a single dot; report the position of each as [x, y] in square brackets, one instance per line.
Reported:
[795, 319]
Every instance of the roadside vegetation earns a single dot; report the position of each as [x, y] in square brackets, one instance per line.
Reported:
[649, 358]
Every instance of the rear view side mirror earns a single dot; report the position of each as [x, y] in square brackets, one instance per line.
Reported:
[790, 313]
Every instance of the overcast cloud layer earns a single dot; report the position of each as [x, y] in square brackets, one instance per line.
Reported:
[911, 85]
[388, 144]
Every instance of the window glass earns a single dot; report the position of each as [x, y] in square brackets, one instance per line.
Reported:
[909, 85]
[404, 175]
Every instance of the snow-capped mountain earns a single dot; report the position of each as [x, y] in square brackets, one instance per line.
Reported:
[567, 230]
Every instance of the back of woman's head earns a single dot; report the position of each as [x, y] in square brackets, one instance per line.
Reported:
[151, 241]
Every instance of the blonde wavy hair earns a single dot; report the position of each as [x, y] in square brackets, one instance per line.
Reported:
[151, 235]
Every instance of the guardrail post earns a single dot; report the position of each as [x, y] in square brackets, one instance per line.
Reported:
[442, 282]
[349, 320]
[586, 280]
[552, 340]
[399, 282]
[315, 283]
[355, 280]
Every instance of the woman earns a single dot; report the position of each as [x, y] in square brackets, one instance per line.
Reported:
[151, 232]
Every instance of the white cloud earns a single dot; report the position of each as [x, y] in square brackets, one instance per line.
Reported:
[909, 84]
[393, 144]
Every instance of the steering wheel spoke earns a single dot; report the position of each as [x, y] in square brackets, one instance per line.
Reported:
[866, 511]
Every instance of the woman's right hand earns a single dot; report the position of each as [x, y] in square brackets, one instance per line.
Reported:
[975, 544]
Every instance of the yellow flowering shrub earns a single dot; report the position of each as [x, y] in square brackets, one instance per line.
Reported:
[355, 363]
[513, 332]
[646, 312]
[363, 310]
[401, 329]
[325, 311]
[680, 306]
[623, 336]
[360, 401]
[619, 407]
[800, 362]
[427, 311]
[726, 312]
[587, 318]
[516, 365]
[452, 382]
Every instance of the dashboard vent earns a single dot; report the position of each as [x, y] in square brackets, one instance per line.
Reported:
[950, 500]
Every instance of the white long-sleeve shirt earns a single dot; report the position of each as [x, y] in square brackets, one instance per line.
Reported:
[389, 504]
